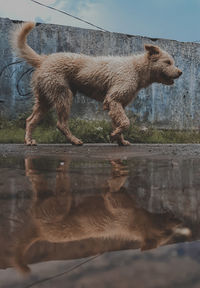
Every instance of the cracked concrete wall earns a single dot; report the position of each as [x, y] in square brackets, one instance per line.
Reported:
[176, 107]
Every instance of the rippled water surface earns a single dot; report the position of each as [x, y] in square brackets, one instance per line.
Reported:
[68, 222]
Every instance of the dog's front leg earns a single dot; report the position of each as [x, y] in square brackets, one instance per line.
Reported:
[120, 122]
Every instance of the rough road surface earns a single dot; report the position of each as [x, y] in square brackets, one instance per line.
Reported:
[103, 150]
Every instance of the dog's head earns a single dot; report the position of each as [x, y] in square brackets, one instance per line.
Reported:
[162, 67]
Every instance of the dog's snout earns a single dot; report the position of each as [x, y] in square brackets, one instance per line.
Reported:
[180, 72]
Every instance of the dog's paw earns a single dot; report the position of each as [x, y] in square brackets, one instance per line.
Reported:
[30, 142]
[76, 141]
[124, 143]
[119, 139]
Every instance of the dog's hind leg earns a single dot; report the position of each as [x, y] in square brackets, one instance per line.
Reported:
[120, 122]
[119, 137]
[39, 111]
[63, 106]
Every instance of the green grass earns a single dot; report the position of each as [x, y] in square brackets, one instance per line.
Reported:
[46, 132]
[97, 131]
[136, 135]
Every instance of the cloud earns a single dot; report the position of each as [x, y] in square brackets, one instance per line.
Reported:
[47, 2]
[155, 18]
[88, 10]
[94, 11]
[22, 10]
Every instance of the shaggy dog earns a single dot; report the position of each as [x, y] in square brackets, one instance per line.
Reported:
[115, 81]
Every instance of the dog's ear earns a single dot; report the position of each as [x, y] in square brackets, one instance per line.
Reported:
[152, 49]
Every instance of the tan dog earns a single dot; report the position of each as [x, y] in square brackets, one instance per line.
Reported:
[114, 81]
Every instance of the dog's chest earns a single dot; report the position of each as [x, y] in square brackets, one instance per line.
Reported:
[91, 89]
[127, 97]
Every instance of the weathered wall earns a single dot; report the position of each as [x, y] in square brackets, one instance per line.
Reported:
[176, 107]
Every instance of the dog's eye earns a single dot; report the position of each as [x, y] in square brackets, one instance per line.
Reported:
[168, 62]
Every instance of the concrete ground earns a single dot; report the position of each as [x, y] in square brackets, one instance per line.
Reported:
[104, 151]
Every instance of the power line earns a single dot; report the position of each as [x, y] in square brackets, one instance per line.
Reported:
[75, 17]
[63, 273]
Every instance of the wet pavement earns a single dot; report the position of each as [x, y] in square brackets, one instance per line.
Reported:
[100, 216]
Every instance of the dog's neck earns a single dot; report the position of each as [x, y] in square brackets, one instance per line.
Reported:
[143, 71]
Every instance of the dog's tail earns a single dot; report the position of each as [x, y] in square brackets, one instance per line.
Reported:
[18, 42]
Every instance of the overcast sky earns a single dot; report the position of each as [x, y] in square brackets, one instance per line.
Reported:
[172, 19]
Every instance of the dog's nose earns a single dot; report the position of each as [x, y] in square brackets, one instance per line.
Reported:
[180, 72]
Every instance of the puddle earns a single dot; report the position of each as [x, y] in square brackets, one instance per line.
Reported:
[68, 222]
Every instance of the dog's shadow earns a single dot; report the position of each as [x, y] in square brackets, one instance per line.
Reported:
[114, 214]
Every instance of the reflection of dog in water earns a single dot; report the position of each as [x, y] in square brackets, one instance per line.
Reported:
[113, 215]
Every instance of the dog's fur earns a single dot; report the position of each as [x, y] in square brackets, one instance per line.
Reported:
[114, 81]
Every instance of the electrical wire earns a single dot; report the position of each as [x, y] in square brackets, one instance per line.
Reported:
[63, 273]
[68, 14]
